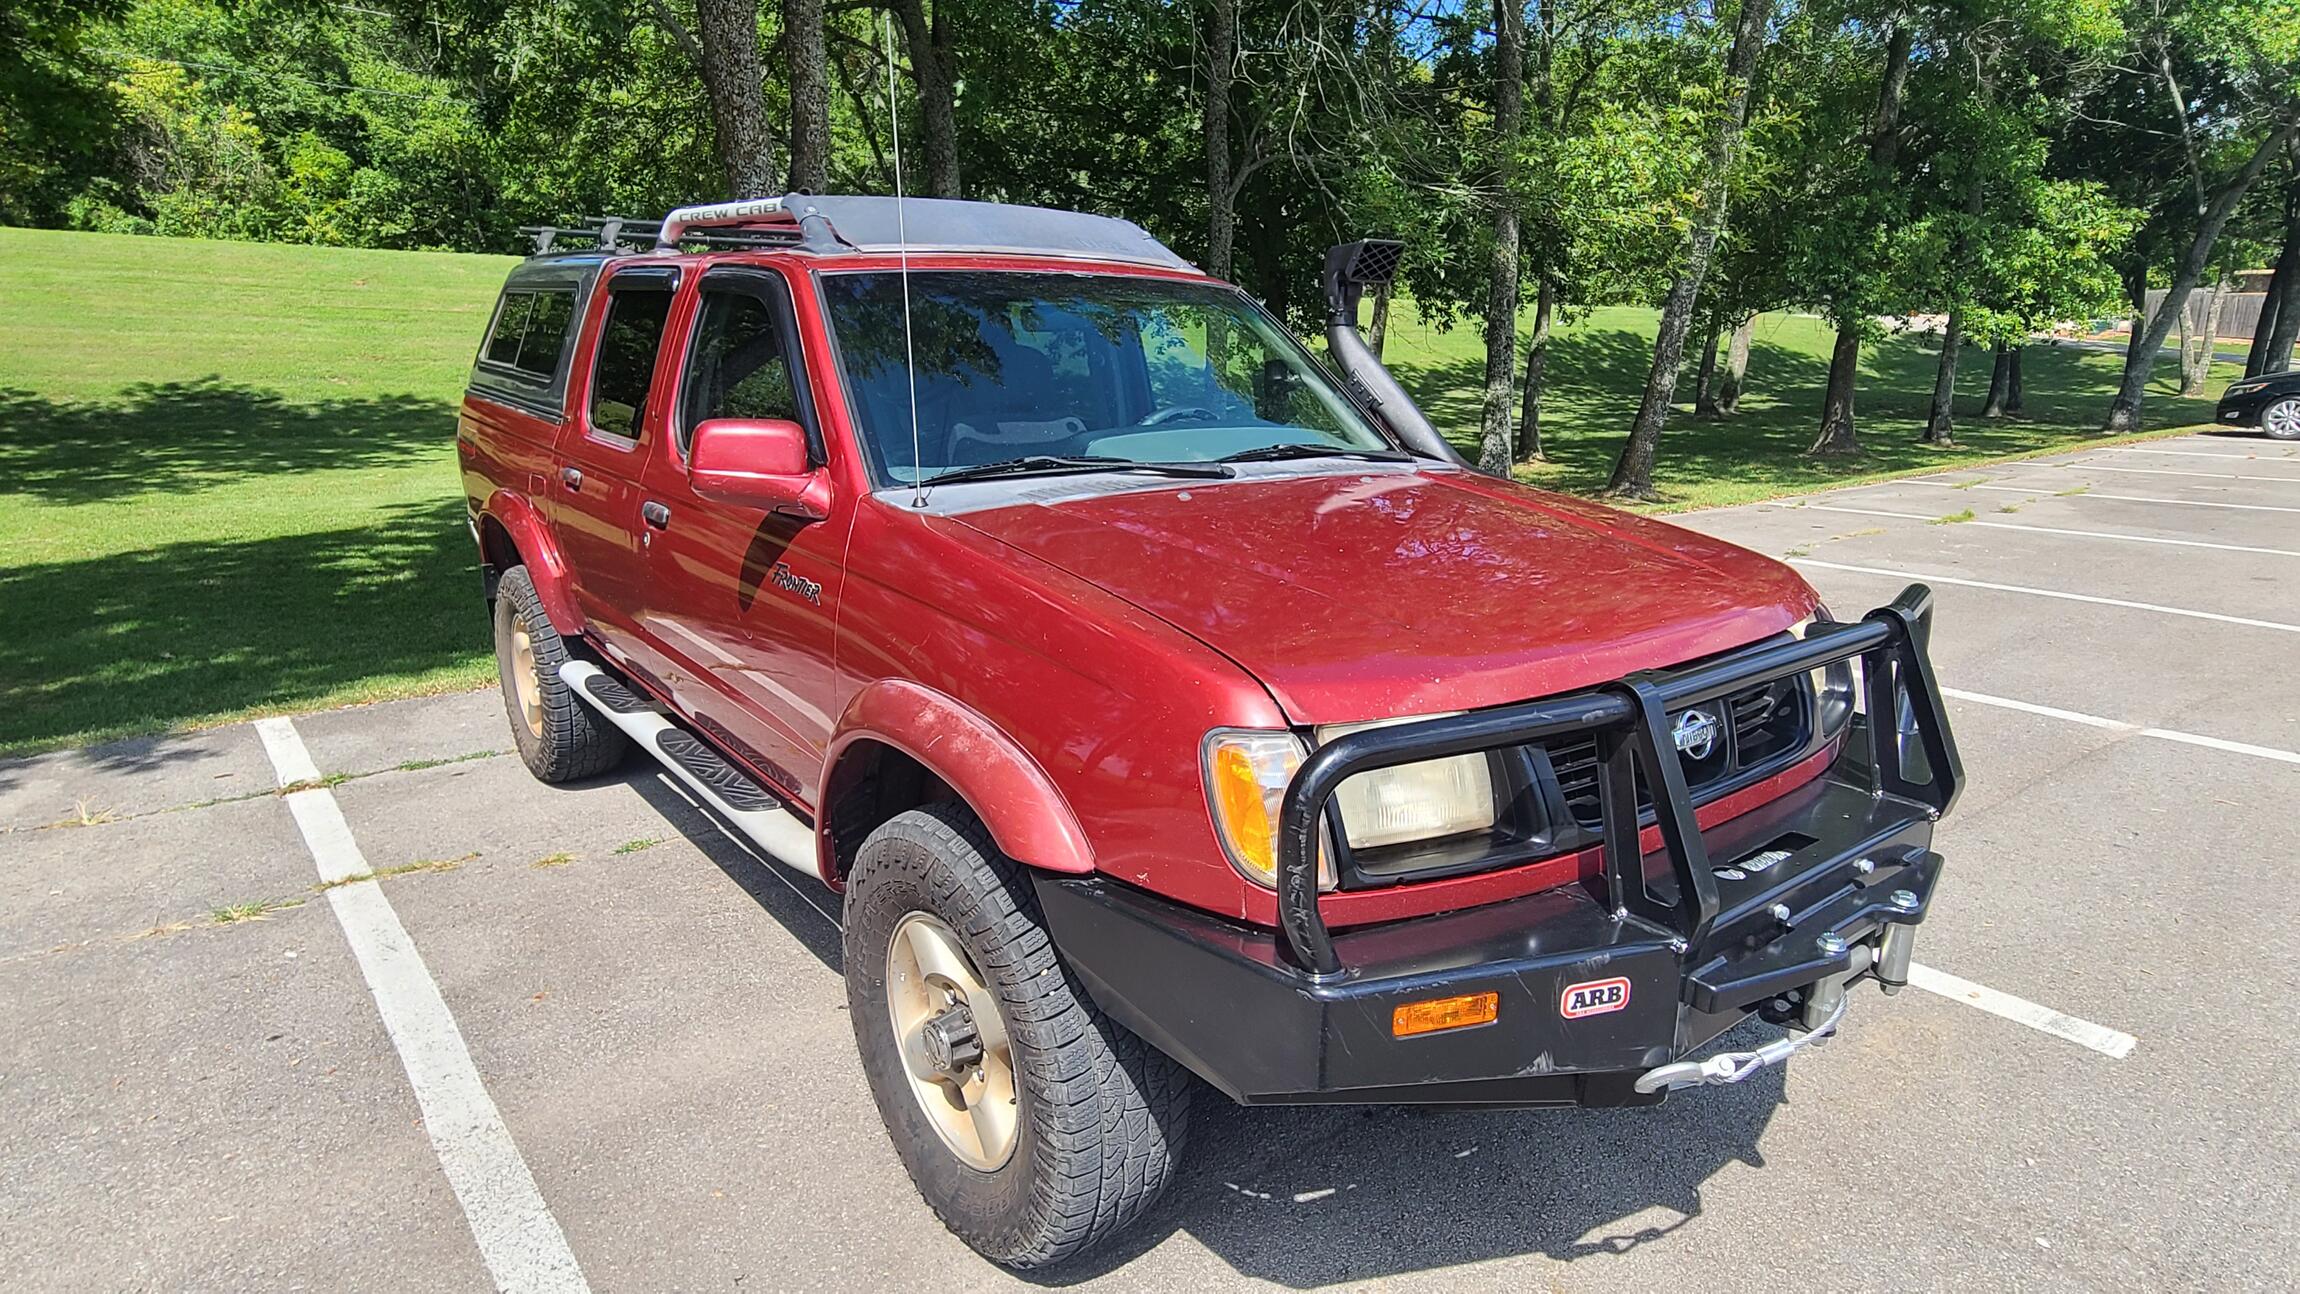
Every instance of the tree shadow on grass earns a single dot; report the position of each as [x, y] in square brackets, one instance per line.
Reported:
[145, 640]
[171, 436]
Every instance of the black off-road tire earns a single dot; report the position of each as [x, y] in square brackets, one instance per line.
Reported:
[562, 739]
[1103, 1113]
[2281, 418]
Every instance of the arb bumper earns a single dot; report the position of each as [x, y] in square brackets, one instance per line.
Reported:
[1582, 989]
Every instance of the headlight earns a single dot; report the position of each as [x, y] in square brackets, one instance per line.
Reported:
[1832, 683]
[1424, 801]
[1246, 774]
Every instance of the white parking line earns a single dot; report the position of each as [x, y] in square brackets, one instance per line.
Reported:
[2246, 621]
[2044, 530]
[2201, 453]
[2088, 465]
[2084, 1033]
[2123, 498]
[519, 1240]
[2118, 725]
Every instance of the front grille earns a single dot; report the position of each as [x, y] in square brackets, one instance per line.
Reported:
[1762, 725]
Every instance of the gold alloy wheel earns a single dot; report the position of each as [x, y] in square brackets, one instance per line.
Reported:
[953, 1038]
[524, 680]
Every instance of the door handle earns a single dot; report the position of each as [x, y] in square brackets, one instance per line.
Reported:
[655, 514]
[571, 478]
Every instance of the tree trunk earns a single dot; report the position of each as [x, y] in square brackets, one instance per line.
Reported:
[805, 54]
[2198, 372]
[1494, 445]
[1705, 385]
[728, 32]
[2276, 354]
[1529, 448]
[927, 40]
[1736, 375]
[1837, 434]
[1221, 212]
[2000, 379]
[1379, 331]
[1633, 473]
[2272, 304]
[2140, 362]
[2012, 384]
[1941, 421]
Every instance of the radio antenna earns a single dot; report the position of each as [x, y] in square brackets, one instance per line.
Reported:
[902, 248]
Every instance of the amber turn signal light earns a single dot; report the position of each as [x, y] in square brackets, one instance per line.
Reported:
[1444, 1013]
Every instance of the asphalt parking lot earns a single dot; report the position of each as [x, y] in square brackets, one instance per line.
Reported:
[645, 1078]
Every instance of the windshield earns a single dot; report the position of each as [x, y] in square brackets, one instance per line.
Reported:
[1075, 366]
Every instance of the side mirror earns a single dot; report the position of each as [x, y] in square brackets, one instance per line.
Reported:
[758, 463]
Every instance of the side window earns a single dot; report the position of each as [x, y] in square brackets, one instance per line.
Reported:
[546, 335]
[530, 330]
[510, 325]
[738, 366]
[623, 372]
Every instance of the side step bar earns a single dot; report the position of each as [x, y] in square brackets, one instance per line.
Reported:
[752, 808]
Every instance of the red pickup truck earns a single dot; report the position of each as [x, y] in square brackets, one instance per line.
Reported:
[1165, 703]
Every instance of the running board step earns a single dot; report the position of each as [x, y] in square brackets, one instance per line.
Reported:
[753, 809]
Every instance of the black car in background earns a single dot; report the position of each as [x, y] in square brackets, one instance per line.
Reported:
[2270, 402]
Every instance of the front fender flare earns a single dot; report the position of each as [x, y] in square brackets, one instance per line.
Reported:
[1017, 802]
[522, 521]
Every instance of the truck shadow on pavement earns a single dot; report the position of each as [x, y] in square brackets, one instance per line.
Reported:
[809, 914]
[1307, 1196]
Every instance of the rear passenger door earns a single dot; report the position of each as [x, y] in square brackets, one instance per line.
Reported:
[615, 413]
[743, 599]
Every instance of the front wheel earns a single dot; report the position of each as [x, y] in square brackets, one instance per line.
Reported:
[1034, 1125]
[2281, 420]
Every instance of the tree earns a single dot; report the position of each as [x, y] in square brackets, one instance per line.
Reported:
[1221, 195]
[806, 55]
[1495, 443]
[2272, 345]
[1735, 378]
[56, 112]
[727, 48]
[1633, 472]
[1852, 309]
[2228, 77]
[931, 44]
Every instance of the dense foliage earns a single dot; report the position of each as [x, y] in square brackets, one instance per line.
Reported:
[1991, 167]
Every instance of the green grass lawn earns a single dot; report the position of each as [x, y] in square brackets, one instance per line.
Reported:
[1597, 373]
[227, 480]
[227, 474]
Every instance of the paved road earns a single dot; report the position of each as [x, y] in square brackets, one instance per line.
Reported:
[638, 1073]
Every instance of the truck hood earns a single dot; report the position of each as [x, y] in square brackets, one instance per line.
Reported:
[1394, 592]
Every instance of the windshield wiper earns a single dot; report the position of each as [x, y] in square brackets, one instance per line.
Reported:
[1298, 449]
[1046, 464]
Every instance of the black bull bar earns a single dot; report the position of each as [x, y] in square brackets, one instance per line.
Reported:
[1630, 720]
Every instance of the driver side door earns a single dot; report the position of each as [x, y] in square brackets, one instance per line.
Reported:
[743, 599]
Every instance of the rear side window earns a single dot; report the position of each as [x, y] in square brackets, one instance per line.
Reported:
[623, 374]
[531, 330]
[738, 366]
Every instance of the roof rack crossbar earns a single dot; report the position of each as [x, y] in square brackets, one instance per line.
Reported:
[617, 235]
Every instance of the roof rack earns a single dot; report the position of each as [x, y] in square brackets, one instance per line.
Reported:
[831, 224]
[627, 235]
